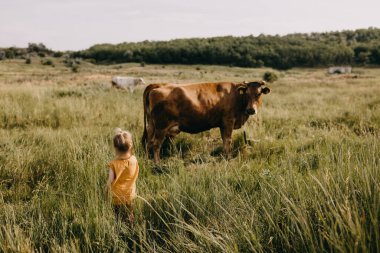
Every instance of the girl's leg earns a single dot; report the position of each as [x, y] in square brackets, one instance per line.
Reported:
[124, 213]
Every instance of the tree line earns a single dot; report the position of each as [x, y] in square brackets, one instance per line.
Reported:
[359, 47]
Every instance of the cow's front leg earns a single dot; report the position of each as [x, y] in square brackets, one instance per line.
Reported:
[226, 132]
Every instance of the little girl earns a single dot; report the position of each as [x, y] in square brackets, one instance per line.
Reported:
[123, 173]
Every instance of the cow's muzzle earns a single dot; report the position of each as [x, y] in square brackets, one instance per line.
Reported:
[250, 111]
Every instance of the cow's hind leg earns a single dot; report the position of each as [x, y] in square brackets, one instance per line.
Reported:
[147, 138]
[157, 140]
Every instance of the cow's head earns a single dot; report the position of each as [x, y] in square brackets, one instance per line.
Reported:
[251, 95]
[141, 81]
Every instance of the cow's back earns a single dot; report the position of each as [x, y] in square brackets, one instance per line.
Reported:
[202, 96]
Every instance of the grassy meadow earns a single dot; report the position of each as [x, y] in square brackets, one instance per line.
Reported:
[309, 181]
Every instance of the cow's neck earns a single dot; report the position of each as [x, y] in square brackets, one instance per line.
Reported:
[240, 120]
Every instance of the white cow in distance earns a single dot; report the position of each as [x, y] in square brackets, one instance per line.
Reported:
[126, 82]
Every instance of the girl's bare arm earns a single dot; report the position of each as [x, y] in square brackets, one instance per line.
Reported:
[111, 177]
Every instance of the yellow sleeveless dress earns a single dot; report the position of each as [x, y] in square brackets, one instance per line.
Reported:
[123, 188]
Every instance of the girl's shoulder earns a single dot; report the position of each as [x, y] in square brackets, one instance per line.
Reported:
[133, 159]
[112, 162]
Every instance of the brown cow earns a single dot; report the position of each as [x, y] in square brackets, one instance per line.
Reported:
[193, 108]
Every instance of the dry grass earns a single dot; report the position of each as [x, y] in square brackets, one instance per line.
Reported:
[309, 182]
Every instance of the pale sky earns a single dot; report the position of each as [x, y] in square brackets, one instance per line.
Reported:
[79, 24]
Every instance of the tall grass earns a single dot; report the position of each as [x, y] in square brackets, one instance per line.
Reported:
[309, 182]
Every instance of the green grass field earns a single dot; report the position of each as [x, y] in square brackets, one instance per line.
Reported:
[310, 181]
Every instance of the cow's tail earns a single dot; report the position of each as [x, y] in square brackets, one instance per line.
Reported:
[147, 90]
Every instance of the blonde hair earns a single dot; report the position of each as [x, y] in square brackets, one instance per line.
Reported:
[122, 140]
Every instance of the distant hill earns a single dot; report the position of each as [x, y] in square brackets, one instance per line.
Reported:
[359, 47]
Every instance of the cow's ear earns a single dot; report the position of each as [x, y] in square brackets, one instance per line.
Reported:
[242, 89]
[265, 90]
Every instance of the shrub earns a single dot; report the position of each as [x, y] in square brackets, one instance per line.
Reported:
[270, 77]
[91, 60]
[28, 61]
[70, 62]
[75, 68]
[57, 54]
[47, 62]
[10, 53]
[34, 47]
